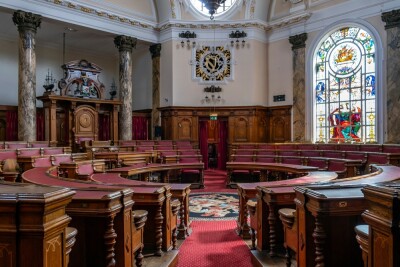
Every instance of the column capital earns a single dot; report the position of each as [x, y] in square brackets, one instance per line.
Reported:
[26, 20]
[155, 50]
[125, 43]
[391, 18]
[298, 41]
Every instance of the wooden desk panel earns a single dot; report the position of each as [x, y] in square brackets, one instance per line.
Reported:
[94, 211]
[382, 216]
[326, 217]
[33, 224]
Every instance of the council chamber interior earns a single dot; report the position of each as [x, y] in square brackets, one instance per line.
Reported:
[112, 113]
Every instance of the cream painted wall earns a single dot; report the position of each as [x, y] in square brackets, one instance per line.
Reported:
[142, 78]
[280, 72]
[47, 58]
[249, 86]
[166, 75]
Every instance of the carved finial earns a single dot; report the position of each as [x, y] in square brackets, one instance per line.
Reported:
[391, 18]
[155, 50]
[298, 41]
[125, 43]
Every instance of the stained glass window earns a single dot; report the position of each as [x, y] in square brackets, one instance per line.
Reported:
[344, 85]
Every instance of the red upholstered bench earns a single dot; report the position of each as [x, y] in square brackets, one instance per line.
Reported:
[310, 153]
[332, 154]
[28, 151]
[321, 163]
[287, 153]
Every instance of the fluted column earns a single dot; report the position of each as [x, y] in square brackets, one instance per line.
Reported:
[27, 24]
[125, 44]
[392, 20]
[155, 51]
[299, 58]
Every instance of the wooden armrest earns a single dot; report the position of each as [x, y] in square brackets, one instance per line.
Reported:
[362, 230]
[139, 218]
[175, 206]
[251, 206]
[70, 239]
[287, 216]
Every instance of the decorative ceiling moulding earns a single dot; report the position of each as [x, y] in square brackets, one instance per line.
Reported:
[101, 13]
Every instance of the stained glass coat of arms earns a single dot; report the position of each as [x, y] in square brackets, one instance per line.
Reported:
[344, 87]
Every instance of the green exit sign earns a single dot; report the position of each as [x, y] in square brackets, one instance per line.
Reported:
[213, 117]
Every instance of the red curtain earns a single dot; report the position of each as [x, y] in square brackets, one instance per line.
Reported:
[12, 125]
[139, 128]
[104, 127]
[40, 125]
[203, 141]
[222, 145]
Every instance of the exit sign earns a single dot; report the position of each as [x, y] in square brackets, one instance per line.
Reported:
[213, 117]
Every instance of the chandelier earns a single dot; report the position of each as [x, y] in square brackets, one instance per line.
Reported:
[212, 6]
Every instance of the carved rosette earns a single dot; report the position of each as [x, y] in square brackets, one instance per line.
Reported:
[392, 20]
[298, 47]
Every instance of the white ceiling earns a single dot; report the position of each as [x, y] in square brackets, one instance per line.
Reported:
[51, 32]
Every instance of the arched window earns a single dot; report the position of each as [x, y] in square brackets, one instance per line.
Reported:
[344, 84]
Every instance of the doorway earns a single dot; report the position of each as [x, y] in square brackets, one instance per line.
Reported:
[213, 142]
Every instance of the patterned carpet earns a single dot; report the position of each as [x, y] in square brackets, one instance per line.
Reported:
[213, 206]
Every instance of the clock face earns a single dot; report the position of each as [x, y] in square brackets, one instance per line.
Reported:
[213, 64]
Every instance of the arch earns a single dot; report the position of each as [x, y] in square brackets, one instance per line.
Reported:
[236, 6]
[311, 83]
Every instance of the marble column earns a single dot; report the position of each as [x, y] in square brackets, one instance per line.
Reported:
[27, 24]
[299, 105]
[392, 20]
[155, 51]
[125, 44]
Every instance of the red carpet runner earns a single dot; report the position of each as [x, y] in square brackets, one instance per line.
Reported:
[214, 243]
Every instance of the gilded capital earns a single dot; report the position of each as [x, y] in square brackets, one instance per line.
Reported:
[298, 41]
[391, 18]
[155, 50]
[125, 43]
[26, 20]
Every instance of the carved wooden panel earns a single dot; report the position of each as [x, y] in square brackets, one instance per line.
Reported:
[185, 129]
[213, 132]
[85, 123]
[279, 127]
[7, 257]
[54, 251]
[241, 129]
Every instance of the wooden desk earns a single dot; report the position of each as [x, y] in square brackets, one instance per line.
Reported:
[263, 168]
[382, 216]
[326, 217]
[179, 191]
[164, 169]
[117, 159]
[247, 191]
[95, 210]
[33, 225]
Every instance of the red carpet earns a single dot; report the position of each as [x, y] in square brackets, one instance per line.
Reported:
[214, 181]
[214, 243]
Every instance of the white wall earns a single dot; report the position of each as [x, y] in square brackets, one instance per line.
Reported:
[142, 78]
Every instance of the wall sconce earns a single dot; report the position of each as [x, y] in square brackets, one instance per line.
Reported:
[188, 35]
[212, 99]
[213, 89]
[238, 35]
